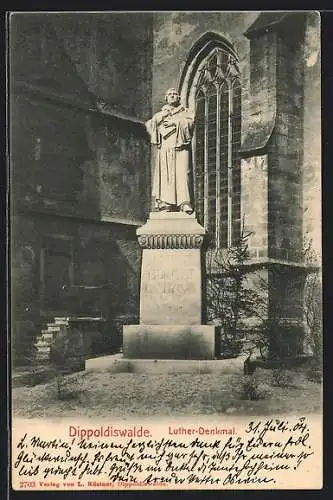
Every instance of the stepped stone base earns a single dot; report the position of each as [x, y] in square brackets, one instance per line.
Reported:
[169, 341]
[116, 363]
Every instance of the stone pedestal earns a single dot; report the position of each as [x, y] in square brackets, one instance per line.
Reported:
[171, 292]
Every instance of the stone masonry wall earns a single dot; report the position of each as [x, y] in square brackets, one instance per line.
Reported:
[254, 204]
[176, 32]
[312, 133]
[286, 145]
[96, 272]
[73, 153]
[80, 175]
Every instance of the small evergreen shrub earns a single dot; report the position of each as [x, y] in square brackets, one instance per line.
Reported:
[283, 378]
[252, 389]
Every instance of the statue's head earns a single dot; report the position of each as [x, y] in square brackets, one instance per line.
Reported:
[172, 97]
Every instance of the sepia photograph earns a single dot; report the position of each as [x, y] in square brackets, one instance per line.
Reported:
[165, 253]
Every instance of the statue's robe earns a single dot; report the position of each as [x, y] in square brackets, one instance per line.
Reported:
[171, 182]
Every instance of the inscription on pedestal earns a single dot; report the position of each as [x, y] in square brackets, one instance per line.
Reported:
[170, 287]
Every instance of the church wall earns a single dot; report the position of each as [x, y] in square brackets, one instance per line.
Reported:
[280, 171]
[312, 135]
[174, 35]
[99, 162]
[280, 71]
[82, 87]
[254, 180]
[79, 164]
[286, 145]
[64, 267]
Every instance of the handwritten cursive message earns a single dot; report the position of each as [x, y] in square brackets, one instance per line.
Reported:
[111, 456]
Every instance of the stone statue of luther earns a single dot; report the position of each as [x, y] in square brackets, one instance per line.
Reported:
[171, 131]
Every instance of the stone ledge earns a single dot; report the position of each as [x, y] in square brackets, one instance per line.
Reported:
[38, 208]
[88, 104]
[257, 134]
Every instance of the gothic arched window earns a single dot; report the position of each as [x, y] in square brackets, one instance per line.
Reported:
[215, 93]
